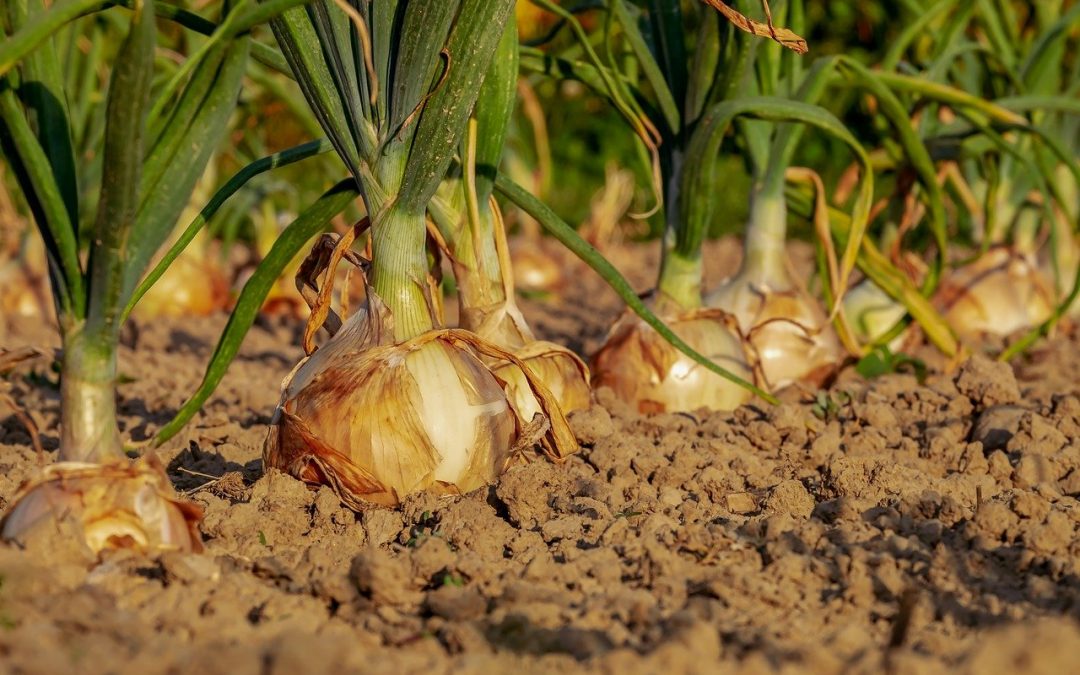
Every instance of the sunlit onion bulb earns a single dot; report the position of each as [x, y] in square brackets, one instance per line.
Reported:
[999, 293]
[872, 313]
[787, 331]
[646, 372]
[375, 420]
[192, 286]
[534, 270]
[532, 21]
[118, 505]
[19, 294]
[562, 371]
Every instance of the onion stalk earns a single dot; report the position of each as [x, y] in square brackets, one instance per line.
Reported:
[783, 334]
[1020, 164]
[148, 175]
[393, 402]
[474, 234]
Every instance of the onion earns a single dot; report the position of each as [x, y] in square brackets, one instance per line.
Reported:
[21, 294]
[116, 505]
[999, 293]
[786, 331]
[502, 323]
[377, 420]
[872, 313]
[191, 286]
[644, 370]
[561, 371]
[535, 271]
[532, 21]
[24, 286]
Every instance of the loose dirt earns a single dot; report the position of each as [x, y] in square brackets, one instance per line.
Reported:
[883, 525]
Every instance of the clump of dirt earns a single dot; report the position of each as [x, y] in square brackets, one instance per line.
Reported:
[906, 525]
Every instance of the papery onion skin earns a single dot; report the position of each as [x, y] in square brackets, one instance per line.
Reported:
[379, 421]
[117, 505]
[789, 336]
[649, 374]
[1000, 293]
[22, 296]
[190, 287]
[562, 371]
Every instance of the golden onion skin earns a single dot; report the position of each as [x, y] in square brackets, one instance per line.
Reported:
[534, 270]
[190, 287]
[20, 295]
[787, 333]
[561, 370]
[377, 420]
[1000, 293]
[646, 372]
[117, 505]
[558, 368]
[532, 22]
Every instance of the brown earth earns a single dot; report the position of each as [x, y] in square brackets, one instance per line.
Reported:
[911, 527]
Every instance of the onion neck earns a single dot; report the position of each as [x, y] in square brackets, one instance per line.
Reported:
[481, 285]
[88, 430]
[680, 277]
[765, 244]
[399, 270]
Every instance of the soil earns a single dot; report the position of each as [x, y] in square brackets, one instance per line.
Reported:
[906, 526]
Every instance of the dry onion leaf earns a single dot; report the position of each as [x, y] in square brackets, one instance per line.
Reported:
[782, 36]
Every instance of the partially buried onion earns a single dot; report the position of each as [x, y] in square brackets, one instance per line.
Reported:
[787, 332]
[646, 371]
[872, 313]
[118, 505]
[377, 420]
[502, 323]
[561, 371]
[1001, 292]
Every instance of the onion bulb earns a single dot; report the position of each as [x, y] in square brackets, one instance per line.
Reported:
[24, 286]
[787, 333]
[561, 370]
[872, 313]
[535, 271]
[647, 372]
[502, 323]
[377, 420]
[999, 293]
[532, 21]
[193, 285]
[116, 505]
